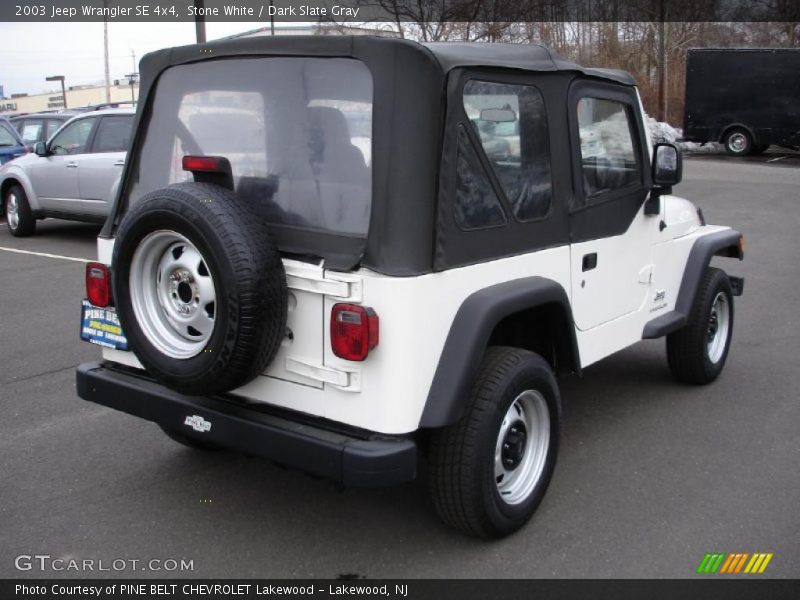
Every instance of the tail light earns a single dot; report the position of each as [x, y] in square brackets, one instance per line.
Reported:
[354, 331]
[209, 169]
[98, 284]
[203, 163]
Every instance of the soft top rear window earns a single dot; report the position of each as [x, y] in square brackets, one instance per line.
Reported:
[297, 132]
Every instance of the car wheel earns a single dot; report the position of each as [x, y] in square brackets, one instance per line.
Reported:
[19, 217]
[200, 288]
[489, 471]
[738, 142]
[697, 352]
[189, 441]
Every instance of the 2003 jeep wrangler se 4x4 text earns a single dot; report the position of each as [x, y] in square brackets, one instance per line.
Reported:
[347, 254]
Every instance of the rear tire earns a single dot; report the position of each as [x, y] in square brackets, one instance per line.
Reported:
[738, 142]
[696, 353]
[19, 217]
[489, 471]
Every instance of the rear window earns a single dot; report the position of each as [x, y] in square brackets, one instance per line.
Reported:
[31, 131]
[297, 132]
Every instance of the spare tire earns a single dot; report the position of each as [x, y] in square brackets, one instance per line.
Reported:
[199, 287]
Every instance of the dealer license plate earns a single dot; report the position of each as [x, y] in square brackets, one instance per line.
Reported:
[101, 326]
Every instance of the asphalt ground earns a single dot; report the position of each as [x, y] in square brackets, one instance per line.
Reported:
[651, 475]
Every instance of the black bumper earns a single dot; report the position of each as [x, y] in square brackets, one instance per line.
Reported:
[368, 461]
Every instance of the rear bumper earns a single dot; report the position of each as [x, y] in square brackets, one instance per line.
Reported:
[367, 461]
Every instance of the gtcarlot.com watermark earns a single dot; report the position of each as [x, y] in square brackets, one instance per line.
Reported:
[45, 563]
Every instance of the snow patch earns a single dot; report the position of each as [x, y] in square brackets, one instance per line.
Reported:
[664, 133]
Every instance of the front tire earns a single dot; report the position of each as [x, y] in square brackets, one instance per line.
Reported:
[490, 470]
[696, 353]
[19, 217]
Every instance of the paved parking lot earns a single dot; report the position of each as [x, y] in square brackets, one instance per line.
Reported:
[651, 475]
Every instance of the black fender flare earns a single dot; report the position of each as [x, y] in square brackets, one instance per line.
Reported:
[469, 335]
[721, 243]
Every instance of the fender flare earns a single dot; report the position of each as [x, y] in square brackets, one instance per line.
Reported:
[18, 175]
[720, 243]
[469, 335]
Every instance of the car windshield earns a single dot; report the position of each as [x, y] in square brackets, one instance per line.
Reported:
[297, 133]
[6, 137]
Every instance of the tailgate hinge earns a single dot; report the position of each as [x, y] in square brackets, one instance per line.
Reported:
[336, 285]
[348, 381]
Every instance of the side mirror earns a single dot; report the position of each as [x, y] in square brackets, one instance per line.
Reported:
[40, 148]
[667, 171]
[667, 165]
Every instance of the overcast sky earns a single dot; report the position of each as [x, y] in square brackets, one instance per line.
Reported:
[32, 51]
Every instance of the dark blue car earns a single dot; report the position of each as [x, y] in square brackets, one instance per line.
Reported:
[11, 145]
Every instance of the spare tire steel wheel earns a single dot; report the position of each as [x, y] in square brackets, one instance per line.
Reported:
[199, 287]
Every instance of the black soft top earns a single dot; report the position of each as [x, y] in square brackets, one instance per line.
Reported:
[446, 55]
[409, 100]
[525, 57]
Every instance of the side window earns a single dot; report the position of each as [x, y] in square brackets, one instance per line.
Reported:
[74, 137]
[31, 129]
[511, 123]
[51, 126]
[113, 134]
[608, 152]
[476, 205]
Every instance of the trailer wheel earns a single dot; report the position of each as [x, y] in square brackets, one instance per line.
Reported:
[738, 142]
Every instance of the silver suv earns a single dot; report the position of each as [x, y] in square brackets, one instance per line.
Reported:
[72, 176]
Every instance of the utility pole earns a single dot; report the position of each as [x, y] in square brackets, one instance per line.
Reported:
[271, 20]
[105, 52]
[200, 22]
[662, 64]
[134, 74]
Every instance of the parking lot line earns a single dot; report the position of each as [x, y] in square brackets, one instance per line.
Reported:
[46, 255]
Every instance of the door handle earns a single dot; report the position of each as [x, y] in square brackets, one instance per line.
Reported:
[72, 165]
[119, 163]
[589, 261]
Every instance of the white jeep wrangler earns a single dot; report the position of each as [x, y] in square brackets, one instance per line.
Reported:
[345, 254]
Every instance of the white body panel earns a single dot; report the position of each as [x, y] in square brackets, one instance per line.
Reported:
[637, 279]
[415, 315]
[387, 392]
[619, 284]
